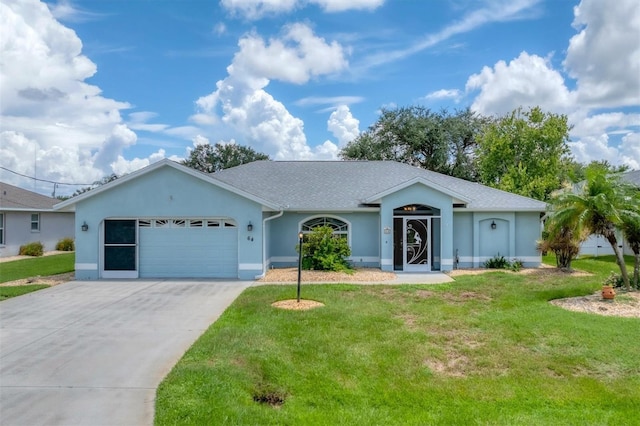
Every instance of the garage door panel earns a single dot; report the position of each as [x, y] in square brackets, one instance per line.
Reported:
[189, 252]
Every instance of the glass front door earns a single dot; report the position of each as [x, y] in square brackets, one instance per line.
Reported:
[120, 249]
[416, 248]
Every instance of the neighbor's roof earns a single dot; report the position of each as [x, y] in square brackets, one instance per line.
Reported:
[346, 185]
[632, 177]
[18, 199]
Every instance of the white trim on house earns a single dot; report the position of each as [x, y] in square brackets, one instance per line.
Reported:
[386, 262]
[69, 205]
[249, 266]
[86, 266]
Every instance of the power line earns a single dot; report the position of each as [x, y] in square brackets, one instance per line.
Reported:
[45, 180]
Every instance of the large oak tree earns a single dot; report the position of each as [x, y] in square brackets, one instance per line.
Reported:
[209, 159]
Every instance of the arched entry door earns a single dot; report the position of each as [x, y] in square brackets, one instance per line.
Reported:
[416, 238]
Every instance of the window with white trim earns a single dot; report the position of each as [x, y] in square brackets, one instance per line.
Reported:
[1, 228]
[340, 227]
[35, 222]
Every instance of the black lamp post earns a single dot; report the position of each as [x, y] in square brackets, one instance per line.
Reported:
[299, 263]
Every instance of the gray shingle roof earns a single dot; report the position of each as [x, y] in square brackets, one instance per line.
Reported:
[14, 198]
[632, 177]
[344, 185]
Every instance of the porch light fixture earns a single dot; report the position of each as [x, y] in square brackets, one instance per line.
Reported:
[300, 235]
[84, 227]
[493, 224]
[249, 227]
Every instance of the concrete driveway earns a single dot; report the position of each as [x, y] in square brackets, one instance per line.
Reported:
[93, 353]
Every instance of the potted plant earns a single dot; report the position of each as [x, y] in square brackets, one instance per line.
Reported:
[608, 285]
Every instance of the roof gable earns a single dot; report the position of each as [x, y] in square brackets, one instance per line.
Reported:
[18, 199]
[69, 204]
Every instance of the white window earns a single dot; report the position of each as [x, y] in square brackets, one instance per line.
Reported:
[35, 222]
[1, 228]
[339, 226]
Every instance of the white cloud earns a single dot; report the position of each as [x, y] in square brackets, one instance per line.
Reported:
[493, 11]
[256, 9]
[526, 81]
[331, 101]
[604, 57]
[246, 107]
[444, 94]
[630, 149]
[343, 125]
[47, 107]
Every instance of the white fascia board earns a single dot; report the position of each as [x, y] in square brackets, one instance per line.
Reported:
[423, 181]
[357, 210]
[25, 209]
[498, 209]
[69, 205]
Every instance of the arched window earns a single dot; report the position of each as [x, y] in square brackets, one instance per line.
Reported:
[339, 226]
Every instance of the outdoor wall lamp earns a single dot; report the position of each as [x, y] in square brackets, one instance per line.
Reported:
[493, 224]
[249, 227]
[84, 227]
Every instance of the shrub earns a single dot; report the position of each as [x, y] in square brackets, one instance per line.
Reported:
[516, 265]
[614, 280]
[497, 262]
[32, 249]
[66, 244]
[324, 251]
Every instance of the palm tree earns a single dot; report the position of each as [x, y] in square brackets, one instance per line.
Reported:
[631, 230]
[598, 207]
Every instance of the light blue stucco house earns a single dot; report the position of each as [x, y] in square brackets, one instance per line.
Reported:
[27, 217]
[167, 220]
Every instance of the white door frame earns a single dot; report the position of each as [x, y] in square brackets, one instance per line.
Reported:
[411, 267]
[118, 274]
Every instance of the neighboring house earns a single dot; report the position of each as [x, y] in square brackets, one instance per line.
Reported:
[167, 220]
[597, 245]
[27, 217]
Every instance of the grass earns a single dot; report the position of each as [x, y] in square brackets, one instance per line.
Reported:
[18, 290]
[37, 266]
[487, 349]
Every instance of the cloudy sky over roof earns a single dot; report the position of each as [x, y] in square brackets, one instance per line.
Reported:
[91, 88]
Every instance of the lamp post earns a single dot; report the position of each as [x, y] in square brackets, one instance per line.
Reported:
[299, 262]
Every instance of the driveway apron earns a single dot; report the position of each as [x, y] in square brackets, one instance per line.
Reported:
[94, 352]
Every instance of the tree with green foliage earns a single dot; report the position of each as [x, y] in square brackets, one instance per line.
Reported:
[415, 135]
[322, 250]
[105, 180]
[563, 241]
[210, 159]
[631, 231]
[524, 152]
[598, 206]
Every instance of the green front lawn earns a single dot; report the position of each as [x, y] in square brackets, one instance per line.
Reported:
[487, 349]
[18, 290]
[37, 266]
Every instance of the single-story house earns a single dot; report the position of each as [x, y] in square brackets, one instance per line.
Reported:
[167, 220]
[27, 217]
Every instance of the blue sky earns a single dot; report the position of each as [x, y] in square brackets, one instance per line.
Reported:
[98, 87]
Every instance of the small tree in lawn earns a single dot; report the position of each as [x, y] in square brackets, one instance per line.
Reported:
[598, 208]
[324, 251]
[562, 241]
[631, 230]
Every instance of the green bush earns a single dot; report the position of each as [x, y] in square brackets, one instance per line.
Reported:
[66, 244]
[32, 249]
[497, 262]
[323, 251]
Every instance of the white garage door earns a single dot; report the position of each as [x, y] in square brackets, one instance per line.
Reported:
[188, 248]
